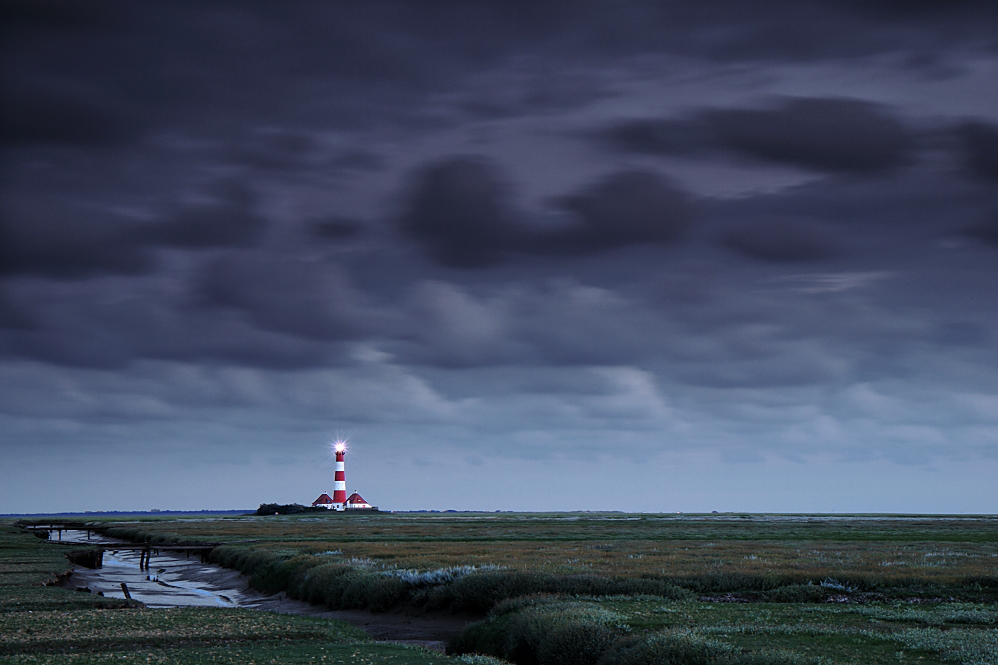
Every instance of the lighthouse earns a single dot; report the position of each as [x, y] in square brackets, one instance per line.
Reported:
[340, 479]
[339, 500]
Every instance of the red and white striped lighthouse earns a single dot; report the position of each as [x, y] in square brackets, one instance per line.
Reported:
[340, 479]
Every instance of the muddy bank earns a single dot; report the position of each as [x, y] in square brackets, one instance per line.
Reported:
[175, 581]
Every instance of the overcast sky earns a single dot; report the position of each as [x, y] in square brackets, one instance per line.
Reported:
[579, 255]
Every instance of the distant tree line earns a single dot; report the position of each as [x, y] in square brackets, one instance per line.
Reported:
[287, 509]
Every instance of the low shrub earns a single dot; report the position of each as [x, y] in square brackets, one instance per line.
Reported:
[543, 630]
[381, 593]
[576, 644]
[796, 593]
[132, 534]
[243, 559]
[416, 578]
[298, 578]
[275, 575]
[736, 582]
[343, 587]
[324, 584]
[137, 535]
[480, 637]
[685, 649]
[479, 592]
[515, 604]
[649, 587]
[596, 585]
[981, 581]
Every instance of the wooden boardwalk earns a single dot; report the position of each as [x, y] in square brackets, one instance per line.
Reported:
[91, 555]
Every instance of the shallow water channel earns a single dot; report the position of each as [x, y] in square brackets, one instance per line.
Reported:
[174, 580]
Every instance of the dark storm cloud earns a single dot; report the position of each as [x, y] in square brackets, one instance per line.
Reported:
[359, 160]
[168, 60]
[626, 208]
[824, 134]
[275, 151]
[52, 91]
[283, 294]
[21, 14]
[116, 335]
[461, 210]
[563, 323]
[13, 316]
[32, 117]
[59, 239]
[66, 242]
[228, 338]
[980, 149]
[231, 221]
[836, 135]
[662, 137]
[986, 232]
[283, 152]
[726, 30]
[120, 319]
[336, 228]
[782, 240]
[906, 205]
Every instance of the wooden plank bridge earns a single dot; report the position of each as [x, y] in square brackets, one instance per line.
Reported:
[93, 555]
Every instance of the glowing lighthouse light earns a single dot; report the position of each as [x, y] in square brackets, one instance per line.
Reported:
[340, 480]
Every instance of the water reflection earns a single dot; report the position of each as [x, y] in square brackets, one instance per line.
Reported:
[171, 580]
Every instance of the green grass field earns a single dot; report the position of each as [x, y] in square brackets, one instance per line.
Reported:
[607, 589]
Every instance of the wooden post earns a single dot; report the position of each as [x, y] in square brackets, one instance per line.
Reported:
[124, 588]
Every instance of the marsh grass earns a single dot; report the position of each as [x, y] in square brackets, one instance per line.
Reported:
[968, 647]
[295, 653]
[595, 555]
[704, 553]
[548, 630]
[654, 631]
[99, 629]
[690, 649]
[859, 589]
[189, 635]
[26, 560]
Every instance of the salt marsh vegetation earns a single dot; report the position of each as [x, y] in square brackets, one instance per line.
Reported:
[613, 589]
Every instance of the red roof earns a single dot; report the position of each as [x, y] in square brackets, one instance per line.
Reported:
[356, 498]
[322, 500]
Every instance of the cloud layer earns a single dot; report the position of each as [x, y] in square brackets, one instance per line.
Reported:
[713, 236]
